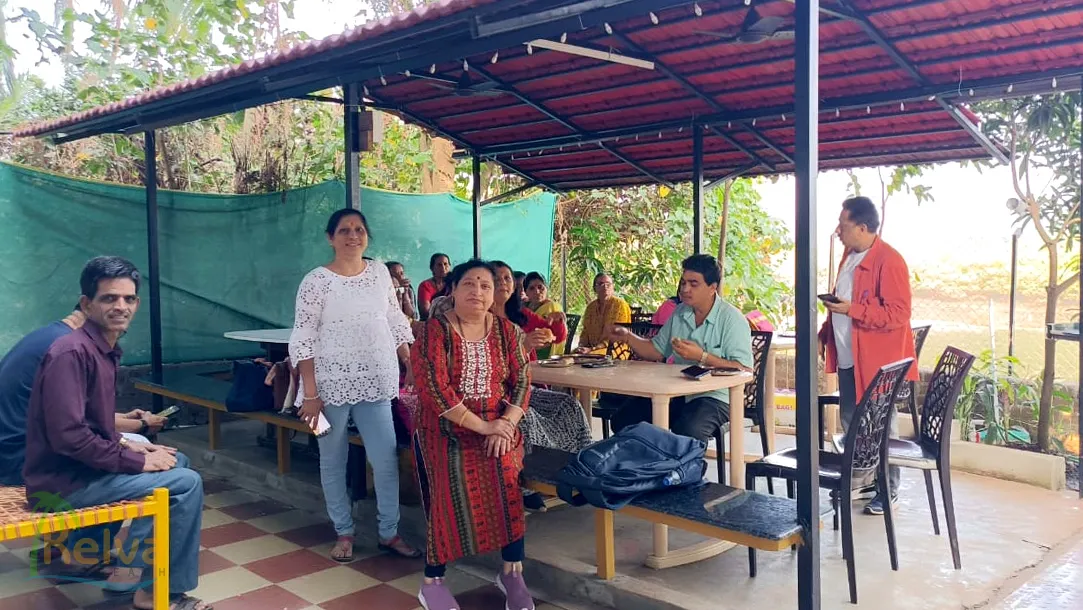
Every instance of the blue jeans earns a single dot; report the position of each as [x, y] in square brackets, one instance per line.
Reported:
[185, 520]
[374, 422]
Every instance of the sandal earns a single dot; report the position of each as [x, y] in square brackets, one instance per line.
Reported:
[344, 548]
[398, 546]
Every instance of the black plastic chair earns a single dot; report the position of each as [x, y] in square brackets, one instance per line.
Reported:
[864, 460]
[621, 351]
[754, 393]
[573, 326]
[907, 393]
[931, 449]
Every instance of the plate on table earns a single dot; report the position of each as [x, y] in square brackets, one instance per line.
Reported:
[584, 358]
[557, 363]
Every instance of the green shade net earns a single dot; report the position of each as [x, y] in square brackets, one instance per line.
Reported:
[227, 262]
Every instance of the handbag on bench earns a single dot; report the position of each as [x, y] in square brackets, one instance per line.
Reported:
[249, 391]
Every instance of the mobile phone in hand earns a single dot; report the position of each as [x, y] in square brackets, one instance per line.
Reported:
[829, 298]
[168, 412]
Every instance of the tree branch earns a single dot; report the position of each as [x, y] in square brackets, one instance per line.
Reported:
[1065, 285]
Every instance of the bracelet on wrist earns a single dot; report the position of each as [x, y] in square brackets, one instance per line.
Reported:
[703, 358]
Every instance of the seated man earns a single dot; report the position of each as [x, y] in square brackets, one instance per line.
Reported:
[703, 330]
[75, 457]
[17, 371]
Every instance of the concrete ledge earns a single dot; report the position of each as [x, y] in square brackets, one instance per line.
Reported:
[1038, 469]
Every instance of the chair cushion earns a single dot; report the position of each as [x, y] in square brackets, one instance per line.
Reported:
[908, 454]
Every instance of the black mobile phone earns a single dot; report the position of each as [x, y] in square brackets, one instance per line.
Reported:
[829, 298]
[695, 372]
[601, 364]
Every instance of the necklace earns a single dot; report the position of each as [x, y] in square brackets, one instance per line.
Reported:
[462, 333]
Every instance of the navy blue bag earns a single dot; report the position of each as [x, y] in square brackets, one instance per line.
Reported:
[636, 460]
[249, 391]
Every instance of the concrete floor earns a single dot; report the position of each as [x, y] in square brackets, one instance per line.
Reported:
[1018, 544]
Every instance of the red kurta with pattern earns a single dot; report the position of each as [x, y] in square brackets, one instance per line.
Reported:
[473, 502]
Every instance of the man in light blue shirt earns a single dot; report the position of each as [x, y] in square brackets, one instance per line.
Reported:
[704, 330]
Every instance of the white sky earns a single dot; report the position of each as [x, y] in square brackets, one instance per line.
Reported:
[966, 223]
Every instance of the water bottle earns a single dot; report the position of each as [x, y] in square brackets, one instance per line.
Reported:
[672, 479]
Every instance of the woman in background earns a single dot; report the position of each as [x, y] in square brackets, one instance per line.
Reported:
[440, 266]
[601, 314]
[538, 301]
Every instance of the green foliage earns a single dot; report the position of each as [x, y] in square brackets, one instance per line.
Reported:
[640, 237]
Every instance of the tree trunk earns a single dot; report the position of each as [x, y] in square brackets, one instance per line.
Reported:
[1050, 363]
[723, 230]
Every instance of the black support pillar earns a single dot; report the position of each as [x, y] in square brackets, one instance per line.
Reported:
[476, 200]
[351, 124]
[153, 275]
[1079, 405]
[698, 242]
[806, 155]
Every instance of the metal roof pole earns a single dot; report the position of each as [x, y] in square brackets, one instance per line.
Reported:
[351, 124]
[476, 199]
[153, 275]
[806, 169]
[697, 189]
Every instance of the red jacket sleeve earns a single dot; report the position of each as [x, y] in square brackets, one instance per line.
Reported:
[890, 309]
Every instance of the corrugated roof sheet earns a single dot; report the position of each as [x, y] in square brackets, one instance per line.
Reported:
[571, 122]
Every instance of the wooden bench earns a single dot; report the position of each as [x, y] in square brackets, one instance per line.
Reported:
[199, 386]
[747, 518]
[18, 521]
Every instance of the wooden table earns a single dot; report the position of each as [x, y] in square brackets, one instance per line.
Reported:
[660, 383]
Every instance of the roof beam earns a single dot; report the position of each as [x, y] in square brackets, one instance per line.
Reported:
[454, 137]
[568, 124]
[660, 66]
[512, 192]
[916, 74]
[737, 173]
[990, 88]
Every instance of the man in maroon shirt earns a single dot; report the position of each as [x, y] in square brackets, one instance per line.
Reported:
[75, 457]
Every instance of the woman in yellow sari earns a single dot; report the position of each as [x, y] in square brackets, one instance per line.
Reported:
[538, 301]
[601, 315]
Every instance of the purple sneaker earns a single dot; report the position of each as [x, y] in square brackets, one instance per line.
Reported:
[436, 596]
[514, 589]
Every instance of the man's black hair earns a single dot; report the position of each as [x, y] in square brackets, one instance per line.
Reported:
[862, 211]
[106, 268]
[706, 265]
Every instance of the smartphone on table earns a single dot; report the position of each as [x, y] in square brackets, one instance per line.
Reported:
[600, 364]
[695, 372]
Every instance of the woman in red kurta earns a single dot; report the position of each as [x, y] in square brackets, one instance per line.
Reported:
[473, 387]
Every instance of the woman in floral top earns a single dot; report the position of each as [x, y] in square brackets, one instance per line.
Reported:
[348, 328]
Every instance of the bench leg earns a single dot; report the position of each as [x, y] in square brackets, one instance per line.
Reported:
[604, 544]
[161, 549]
[282, 444]
[214, 427]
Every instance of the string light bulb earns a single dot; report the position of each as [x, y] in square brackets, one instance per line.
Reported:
[748, 2]
[932, 98]
[680, 129]
[697, 9]
[365, 89]
[496, 57]
[654, 18]
[659, 135]
[383, 81]
[729, 124]
[406, 73]
[868, 109]
[837, 113]
[466, 66]
[753, 122]
[902, 106]
[1011, 86]
[783, 116]
[563, 37]
[432, 69]
[971, 93]
[529, 49]
[1054, 82]
[608, 28]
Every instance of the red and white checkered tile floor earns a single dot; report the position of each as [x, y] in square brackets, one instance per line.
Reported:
[257, 554]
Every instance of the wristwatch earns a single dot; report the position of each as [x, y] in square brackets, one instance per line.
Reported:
[143, 426]
[703, 358]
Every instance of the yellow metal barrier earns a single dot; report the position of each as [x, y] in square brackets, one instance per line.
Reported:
[23, 524]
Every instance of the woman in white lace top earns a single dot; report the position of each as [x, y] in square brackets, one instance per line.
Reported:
[349, 335]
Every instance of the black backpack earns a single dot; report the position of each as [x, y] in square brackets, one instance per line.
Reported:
[636, 460]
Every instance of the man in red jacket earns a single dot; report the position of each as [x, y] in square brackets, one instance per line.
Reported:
[870, 325]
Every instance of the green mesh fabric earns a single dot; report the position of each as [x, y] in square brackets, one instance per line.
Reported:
[227, 262]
